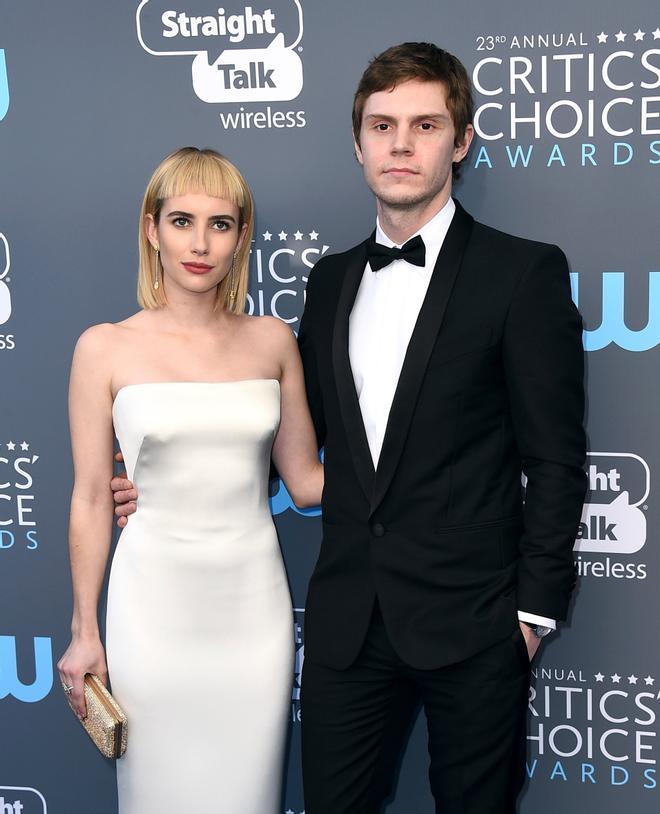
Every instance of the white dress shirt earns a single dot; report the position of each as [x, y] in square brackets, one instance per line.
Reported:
[381, 323]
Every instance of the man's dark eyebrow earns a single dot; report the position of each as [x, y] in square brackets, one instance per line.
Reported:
[441, 116]
[420, 117]
[179, 214]
[379, 116]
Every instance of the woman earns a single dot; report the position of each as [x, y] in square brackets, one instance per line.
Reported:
[199, 623]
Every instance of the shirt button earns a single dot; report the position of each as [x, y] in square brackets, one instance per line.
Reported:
[378, 530]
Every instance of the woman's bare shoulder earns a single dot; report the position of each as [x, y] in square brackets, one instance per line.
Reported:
[269, 329]
[98, 340]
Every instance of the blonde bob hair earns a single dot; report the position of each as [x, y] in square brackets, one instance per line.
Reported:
[190, 169]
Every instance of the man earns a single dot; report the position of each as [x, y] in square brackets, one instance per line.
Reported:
[435, 375]
[443, 359]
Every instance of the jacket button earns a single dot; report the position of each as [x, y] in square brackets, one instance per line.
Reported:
[378, 530]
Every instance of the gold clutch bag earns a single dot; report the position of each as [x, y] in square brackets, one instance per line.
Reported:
[105, 722]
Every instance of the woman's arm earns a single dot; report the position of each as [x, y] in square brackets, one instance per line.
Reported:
[295, 452]
[90, 524]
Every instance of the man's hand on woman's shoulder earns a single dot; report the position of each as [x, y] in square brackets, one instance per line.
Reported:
[124, 494]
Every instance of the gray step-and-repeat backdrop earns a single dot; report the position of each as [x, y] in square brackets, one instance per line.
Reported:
[94, 94]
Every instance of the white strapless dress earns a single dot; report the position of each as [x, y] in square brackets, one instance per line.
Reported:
[199, 620]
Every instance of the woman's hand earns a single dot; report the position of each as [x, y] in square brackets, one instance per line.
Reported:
[83, 655]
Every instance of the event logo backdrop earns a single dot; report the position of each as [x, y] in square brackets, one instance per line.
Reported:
[280, 262]
[567, 151]
[593, 728]
[561, 97]
[18, 524]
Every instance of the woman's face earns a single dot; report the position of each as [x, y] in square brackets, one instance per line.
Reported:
[197, 236]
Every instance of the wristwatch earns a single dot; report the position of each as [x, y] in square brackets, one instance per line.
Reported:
[539, 630]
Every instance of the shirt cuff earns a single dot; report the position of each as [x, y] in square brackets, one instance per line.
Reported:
[533, 619]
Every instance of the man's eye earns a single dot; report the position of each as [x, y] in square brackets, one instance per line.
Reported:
[426, 126]
[382, 126]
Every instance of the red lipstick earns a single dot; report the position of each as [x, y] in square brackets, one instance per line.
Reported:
[197, 268]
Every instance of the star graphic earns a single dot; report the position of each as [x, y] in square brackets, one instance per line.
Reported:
[11, 445]
[602, 37]
[298, 235]
[313, 235]
[616, 678]
[620, 37]
[632, 679]
[282, 235]
[599, 676]
[656, 34]
[649, 681]
[267, 235]
[25, 446]
[639, 35]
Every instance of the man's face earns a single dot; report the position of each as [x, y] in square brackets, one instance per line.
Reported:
[407, 144]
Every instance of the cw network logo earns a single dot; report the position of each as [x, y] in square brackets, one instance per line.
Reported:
[10, 683]
[21, 800]
[4, 86]
[613, 328]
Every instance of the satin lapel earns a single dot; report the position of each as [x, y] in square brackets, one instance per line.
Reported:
[348, 399]
[419, 349]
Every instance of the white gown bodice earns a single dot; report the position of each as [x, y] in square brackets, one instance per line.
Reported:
[196, 450]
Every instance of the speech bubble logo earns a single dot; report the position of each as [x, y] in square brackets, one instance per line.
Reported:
[4, 86]
[270, 74]
[5, 295]
[617, 527]
[612, 528]
[239, 57]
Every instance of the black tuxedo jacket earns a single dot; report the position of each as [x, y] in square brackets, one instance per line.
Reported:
[491, 386]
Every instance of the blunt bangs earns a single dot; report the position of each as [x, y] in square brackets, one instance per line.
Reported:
[200, 171]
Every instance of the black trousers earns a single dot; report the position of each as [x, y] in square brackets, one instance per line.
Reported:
[354, 722]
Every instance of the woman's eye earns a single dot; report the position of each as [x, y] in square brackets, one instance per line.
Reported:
[180, 221]
[221, 225]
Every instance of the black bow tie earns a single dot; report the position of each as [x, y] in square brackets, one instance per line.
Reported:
[379, 256]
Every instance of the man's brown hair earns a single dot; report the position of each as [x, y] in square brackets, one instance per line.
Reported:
[425, 62]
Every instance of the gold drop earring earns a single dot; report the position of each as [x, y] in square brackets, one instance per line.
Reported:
[232, 278]
[156, 281]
